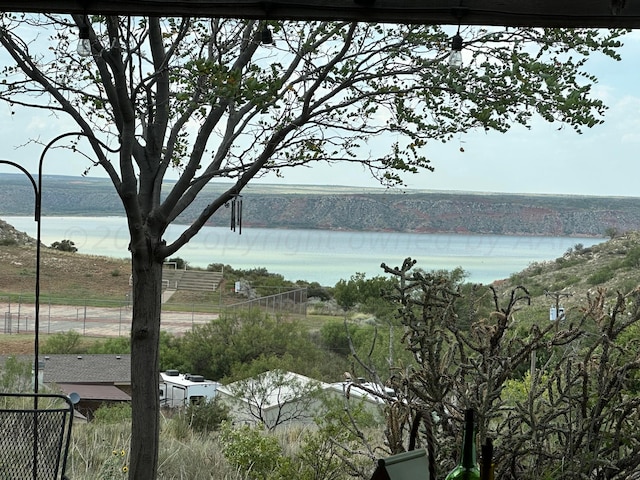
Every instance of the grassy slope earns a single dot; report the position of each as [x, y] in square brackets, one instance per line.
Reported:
[74, 275]
[63, 274]
[611, 265]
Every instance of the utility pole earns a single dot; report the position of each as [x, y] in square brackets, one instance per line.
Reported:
[557, 296]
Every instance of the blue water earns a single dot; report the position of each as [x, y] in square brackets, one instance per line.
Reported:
[317, 255]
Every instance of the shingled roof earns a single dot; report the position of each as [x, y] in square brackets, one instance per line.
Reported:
[101, 368]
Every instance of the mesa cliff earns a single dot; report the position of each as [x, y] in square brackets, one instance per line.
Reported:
[344, 208]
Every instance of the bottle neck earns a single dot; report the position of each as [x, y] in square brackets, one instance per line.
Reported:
[486, 466]
[468, 441]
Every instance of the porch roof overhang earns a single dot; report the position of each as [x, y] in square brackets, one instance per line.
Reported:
[528, 13]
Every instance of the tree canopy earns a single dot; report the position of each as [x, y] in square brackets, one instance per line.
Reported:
[208, 99]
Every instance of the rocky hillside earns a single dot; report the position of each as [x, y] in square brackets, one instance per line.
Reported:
[612, 266]
[342, 208]
[11, 236]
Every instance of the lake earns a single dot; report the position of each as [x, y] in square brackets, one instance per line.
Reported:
[317, 255]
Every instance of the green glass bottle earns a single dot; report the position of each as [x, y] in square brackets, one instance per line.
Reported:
[467, 468]
[486, 461]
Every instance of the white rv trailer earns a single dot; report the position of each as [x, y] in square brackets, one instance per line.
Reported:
[180, 389]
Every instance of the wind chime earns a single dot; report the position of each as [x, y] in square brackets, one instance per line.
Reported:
[236, 213]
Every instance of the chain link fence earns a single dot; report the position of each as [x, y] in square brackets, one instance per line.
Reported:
[113, 318]
[291, 301]
[110, 319]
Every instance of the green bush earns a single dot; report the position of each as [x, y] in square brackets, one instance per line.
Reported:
[115, 346]
[113, 414]
[567, 282]
[563, 262]
[64, 342]
[255, 453]
[65, 246]
[334, 336]
[600, 276]
[235, 340]
[611, 232]
[632, 258]
[628, 284]
[16, 376]
[319, 459]
[8, 242]
[206, 415]
[564, 280]
[315, 290]
[535, 268]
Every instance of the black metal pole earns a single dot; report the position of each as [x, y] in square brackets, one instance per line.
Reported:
[37, 307]
[37, 188]
[38, 191]
[37, 286]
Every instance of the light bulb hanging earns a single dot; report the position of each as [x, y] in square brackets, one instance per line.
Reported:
[455, 57]
[266, 37]
[84, 43]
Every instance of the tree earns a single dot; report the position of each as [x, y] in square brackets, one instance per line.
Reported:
[277, 397]
[65, 246]
[205, 98]
[611, 232]
[180, 263]
[63, 343]
[16, 375]
[240, 345]
[572, 417]
[365, 293]
[334, 450]
[252, 451]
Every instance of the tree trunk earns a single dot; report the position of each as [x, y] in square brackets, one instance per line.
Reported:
[145, 334]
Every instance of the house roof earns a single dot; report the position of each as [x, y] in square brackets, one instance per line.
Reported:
[101, 368]
[87, 391]
[370, 392]
[273, 387]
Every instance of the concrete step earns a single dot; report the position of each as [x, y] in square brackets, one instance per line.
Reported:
[167, 294]
[191, 280]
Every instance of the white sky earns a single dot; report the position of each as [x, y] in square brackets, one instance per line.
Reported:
[602, 161]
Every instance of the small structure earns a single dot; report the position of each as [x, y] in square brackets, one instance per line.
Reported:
[179, 390]
[556, 314]
[371, 396]
[411, 465]
[174, 278]
[273, 398]
[279, 397]
[97, 379]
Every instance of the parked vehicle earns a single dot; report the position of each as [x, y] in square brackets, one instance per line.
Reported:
[180, 389]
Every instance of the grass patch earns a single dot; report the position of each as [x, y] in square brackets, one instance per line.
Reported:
[99, 448]
[601, 276]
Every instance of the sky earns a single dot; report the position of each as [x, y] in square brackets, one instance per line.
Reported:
[601, 161]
